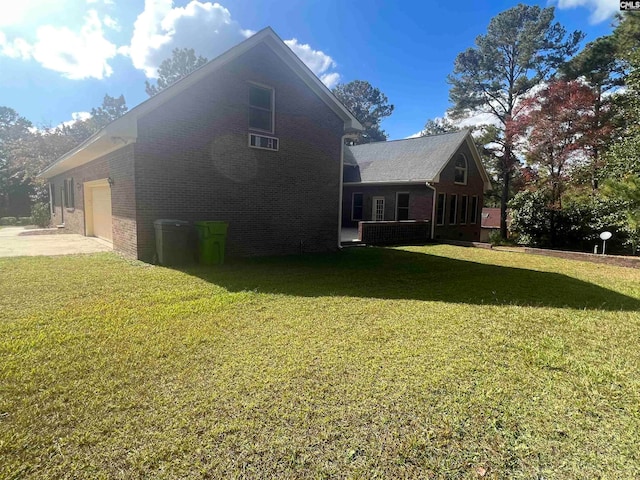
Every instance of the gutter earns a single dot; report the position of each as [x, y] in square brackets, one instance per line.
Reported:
[433, 209]
[389, 182]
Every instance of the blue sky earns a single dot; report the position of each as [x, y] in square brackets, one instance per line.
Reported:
[59, 58]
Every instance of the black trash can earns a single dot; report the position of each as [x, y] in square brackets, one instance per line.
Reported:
[172, 242]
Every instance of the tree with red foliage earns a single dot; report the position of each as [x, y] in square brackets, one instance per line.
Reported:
[559, 130]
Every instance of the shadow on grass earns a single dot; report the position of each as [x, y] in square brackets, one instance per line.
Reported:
[397, 274]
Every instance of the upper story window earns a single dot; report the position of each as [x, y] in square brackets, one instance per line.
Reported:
[461, 168]
[261, 108]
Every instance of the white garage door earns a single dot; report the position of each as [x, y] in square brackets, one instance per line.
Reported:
[102, 212]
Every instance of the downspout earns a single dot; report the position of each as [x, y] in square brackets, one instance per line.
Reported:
[341, 187]
[433, 209]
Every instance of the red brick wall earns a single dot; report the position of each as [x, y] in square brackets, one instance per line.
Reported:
[119, 166]
[473, 187]
[193, 163]
[420, 198]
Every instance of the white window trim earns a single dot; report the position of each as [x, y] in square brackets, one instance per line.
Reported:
[463, 221]
[444, 209]
[475, 210]
[353, 198]
[273, 107]
[466, 169]
[455, 211]
[397, 194]
[373, 209]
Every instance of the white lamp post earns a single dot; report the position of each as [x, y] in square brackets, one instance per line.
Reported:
[605, 236]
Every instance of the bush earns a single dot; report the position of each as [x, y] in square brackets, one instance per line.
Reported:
[25, 221]
[40, 214]
[8, 221]
[530, 218]
[577, 226]
[495, 238]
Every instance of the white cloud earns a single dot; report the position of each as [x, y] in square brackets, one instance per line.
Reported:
[111, 23]
[75, 116]
[415, 135]
[330, 79]
[17, 48]
[14, 13]
[207, 28]
[77, 55]
[318, 61]
[601, 10]
[471, 120]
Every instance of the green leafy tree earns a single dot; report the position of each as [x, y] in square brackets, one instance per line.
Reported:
[438, 126]
[627, 191]
[627, 35]
[111, 109]
[182, 62]
[14, 133]
[599, 65]
[522, 48]
[369, 105]
[557, 129]
[623, 157]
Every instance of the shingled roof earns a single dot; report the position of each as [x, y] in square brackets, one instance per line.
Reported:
[419, 159]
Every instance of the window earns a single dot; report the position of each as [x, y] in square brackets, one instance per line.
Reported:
[460, 175]
[402, 206]
[378, 209]
[474, 209]
[357, 206]
[464, 201]
[261, 108]
[260, 141]
[453, 209]
[69, 199]
[442, 198]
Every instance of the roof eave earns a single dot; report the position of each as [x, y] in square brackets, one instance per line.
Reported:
[390, 182]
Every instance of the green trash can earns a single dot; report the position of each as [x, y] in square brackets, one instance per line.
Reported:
[212, 239]
[172, 242]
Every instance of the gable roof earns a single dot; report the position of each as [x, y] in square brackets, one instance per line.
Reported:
[124, 130]
[410, 160]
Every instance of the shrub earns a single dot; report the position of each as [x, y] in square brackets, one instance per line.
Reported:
[40, 214]
[25, 221]
[8, 221]
[530, 218]
[577, 226]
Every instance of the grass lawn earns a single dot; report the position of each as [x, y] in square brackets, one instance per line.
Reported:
[421, 362]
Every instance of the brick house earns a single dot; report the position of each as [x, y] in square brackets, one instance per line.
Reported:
[399, 180]
[252, 138]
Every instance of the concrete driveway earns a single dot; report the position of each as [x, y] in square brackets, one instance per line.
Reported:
[13, 244]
